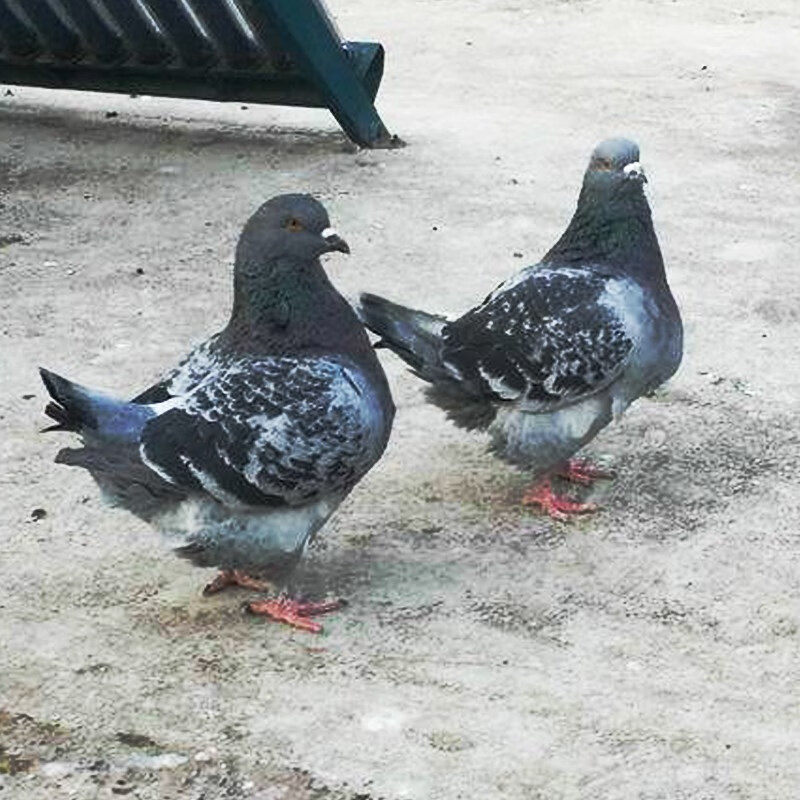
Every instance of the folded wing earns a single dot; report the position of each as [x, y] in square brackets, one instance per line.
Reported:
[269, 432]
[546, 339]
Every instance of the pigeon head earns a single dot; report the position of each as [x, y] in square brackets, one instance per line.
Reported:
[289, 227]
[279, 286]
[612, 222]
[614, 165]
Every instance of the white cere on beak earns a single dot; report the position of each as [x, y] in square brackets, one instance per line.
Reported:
[634, 168]
[328, 232]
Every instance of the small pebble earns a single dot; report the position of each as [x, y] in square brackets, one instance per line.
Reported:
[205, 756]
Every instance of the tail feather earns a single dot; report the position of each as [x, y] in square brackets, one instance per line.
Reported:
[415, 336]
[69, 408]
[78, 408]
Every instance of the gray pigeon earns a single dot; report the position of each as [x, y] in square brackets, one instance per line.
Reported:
[552, 355]
[249, 445]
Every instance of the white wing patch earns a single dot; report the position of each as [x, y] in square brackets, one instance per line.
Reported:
[624, 298]
[514, 280]
[150, 464]
[501, 389]
[199, 367]
[211, 485]
[167, 405]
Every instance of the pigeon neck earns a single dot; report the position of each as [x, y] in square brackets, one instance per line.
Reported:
[616, 231]
[286, 304]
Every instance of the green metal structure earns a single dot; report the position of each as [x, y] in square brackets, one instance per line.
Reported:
[282, 52]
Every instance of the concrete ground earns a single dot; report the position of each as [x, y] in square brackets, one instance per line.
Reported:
[650, 651]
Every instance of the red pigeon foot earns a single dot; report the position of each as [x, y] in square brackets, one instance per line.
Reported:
[293, 612]
[559, 508]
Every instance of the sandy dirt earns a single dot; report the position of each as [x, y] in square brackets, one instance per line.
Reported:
[648, 652]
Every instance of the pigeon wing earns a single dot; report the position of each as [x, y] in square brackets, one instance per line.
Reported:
[191, 371]
[272, 431]
[546, 338]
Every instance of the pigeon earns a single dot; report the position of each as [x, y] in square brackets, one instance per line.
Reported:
[243, 451]
[560, 349]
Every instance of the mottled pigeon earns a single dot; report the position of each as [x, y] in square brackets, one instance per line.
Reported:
[248, 446]
[552, 355]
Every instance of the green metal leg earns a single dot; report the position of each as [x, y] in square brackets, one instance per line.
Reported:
[306, 37]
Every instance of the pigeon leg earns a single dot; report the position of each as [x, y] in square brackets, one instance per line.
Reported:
[293, 612]
[583, 471]
[559, 508]
[235, 577]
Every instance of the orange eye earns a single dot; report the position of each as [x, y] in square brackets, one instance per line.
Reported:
[294, 225]
[603, 163]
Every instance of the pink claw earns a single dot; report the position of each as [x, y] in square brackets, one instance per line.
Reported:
[292, 612]
[583, 471]
[559, 508]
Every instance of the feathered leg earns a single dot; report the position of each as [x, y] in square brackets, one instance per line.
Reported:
[236, 577]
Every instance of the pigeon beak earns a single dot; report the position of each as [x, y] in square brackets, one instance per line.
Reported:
[635, 171]
[334, 241]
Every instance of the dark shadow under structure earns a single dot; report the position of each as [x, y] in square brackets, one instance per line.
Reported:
[281, 52]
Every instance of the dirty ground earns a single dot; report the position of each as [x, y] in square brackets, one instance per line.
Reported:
[650, 651]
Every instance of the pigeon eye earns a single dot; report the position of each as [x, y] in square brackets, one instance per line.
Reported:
[603, 163]
[294, 225]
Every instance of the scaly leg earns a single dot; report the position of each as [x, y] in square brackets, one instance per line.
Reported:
[560, 508]
[236, 577]
[583, 471]
[293, 612]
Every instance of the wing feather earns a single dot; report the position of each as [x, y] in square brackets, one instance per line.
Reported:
[271, 431]
[190, 372]
[546, 339]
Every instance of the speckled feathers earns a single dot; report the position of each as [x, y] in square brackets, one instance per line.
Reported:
[564, 346]
[244, 450]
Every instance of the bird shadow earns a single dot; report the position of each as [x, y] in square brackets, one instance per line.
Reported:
[695, 456]
[347, 570]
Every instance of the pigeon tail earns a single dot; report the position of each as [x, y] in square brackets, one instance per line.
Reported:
[415, 336]
[78, 408]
